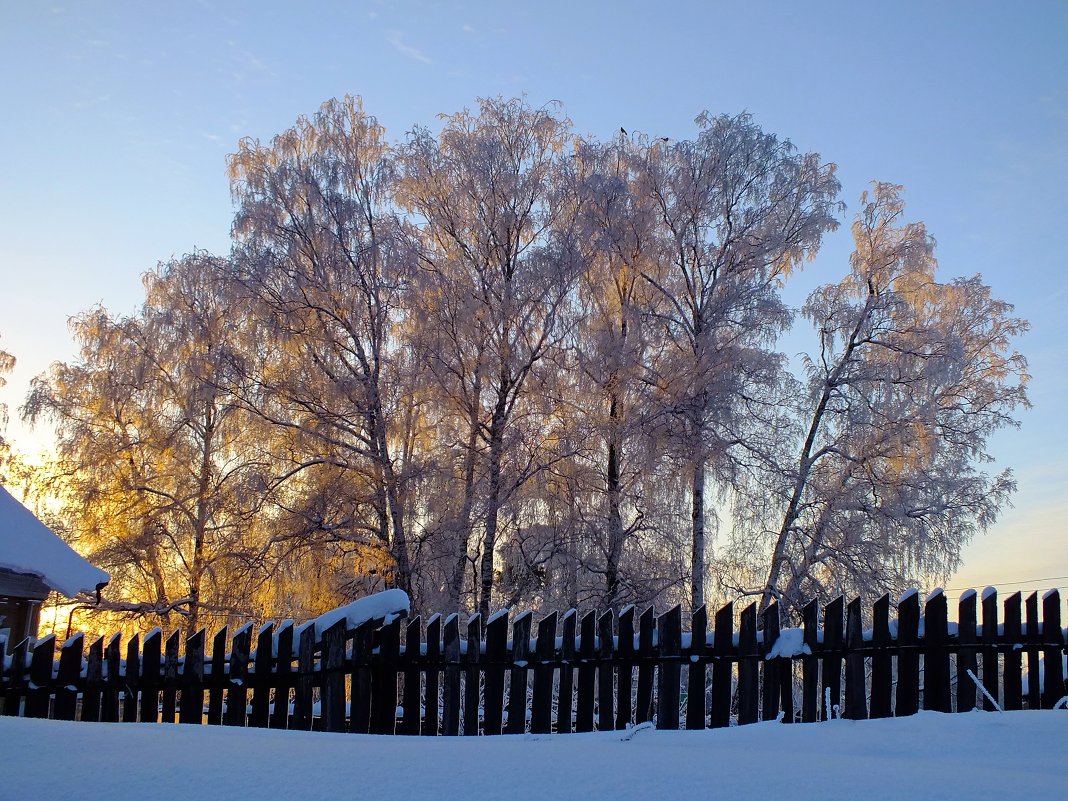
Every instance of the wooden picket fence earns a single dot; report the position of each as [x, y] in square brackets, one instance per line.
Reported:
[593, 671]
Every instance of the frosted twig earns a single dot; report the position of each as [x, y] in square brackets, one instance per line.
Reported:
[1062, 704]
[632, 730]
[982, 689]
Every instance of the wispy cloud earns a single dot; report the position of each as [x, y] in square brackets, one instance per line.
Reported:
[467, 28]
[405, 49]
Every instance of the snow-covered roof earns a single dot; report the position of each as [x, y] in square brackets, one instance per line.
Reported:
[28, 546]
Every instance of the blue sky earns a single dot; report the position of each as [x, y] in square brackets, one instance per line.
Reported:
[118, 118]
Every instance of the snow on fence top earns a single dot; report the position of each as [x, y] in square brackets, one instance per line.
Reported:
[28, 546]
[379, 605]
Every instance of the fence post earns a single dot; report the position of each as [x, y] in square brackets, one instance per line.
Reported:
[109, 707]
[132, 679]
[237, 683]
[332, 670]
[412, 697]
[433, 675]
[935, 656]
[384, 682]
[625, 674]
[605, 673]
[1013, 676]
[68, 678]
[517, 684]
[908, 655]
[990, 652]
[302, 691]
[541, 706]
[471, 658]
[586, 673]
[722, 679]
[856, 705]
[217, 683]
[966, 689]
[566, 703]
[669, 673]
[170, 678]
[261, 682]
[1032, 638]
[150, 676]
[451, 701]
[192, 710]
[37, 698]
[771, 667]
[810, 664]
[283, 680]
[748, 667]
[1053, 638]
[94, 681]
[496, 654]
[696, 672]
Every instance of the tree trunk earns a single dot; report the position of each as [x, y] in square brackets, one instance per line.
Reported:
[615, 518]
[496, 448]
[697, 554]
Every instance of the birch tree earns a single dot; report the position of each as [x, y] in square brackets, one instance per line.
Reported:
[155, 457]
[321, 258]
[739, 210]
[497, 267]
[911, 378]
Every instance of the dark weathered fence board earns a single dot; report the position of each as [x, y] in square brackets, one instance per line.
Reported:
[541, 706]
[769, 705]
[517, 681]
[94, 681]
[496, 655]
[566, 702]
[833, 639]
[283, 676]
[936, 695]
[882, 671]
[450, 705]
[748, 667]
[587, 672]
[302, 692]
[856, 704]
[471, 660]
[1031, 637]
[433, 681]
[384, 679]
[1053, 637]
[722, 678]
[1013, 671]
[151, 663]
[237, 679]
[192, 710]
[169, 704]
[39, 694]
[644, 705]
[605, 671]
[669, 673]
[132, 680]
[109, 702]
[217, 686]
[360, 705]
[966, 652]
[990, 651]
[332, 692]
[264, 666]
[70, 669]
[696, 671]
[810, 670]
[412, 695]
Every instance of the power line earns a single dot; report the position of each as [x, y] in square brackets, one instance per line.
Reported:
[1010, 583]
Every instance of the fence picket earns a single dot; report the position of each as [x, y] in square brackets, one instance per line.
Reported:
[151, 664]
[264, 670]
[384, 681]
[70, 669]
[990, 652]
[302, 692]
[131, 680]
[722, 678]
[450, 723]
[541, 706]
[1031, 637]
[471, 659]
[332, 691]
[644, 708]
[283, 681]
[517, 682]
[496, 654]
[810, 665]
[605, 672]
[94, 681]
[748, 667]
[412, 696]
[433, 685]
[966, 652]
[1053, 638]
[696, 671]
[935, 655]
[587, 672]
[769, 707]
[217, 685]
[192, 710]
[169, 704]
[566, 701]
[856, 705]
[669, 673]
[625, 669]
[1013, 671]
[908, 655]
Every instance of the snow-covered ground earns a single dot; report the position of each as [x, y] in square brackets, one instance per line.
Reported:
[929, 756]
